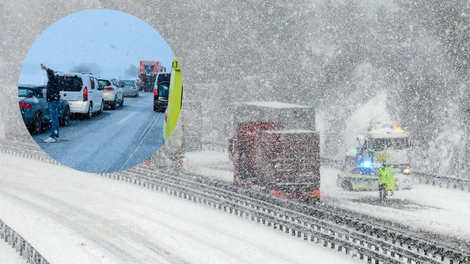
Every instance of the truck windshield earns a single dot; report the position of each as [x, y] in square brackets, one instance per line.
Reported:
[149, 68]
[379, 144]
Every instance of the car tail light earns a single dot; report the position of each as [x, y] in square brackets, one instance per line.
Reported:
[85, 94]
[134, 87]
[26, 105]
[109, 88]
[155, 92]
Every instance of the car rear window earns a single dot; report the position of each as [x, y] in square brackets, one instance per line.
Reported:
[165, 77]
[127, 82]
[24, 92]
[163, 90]
[70, 83]
[104, 83]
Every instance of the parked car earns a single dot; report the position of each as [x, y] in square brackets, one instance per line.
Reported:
[130, 88]
[82, 93]
[161, 91]
[112, 92]
[34, 108]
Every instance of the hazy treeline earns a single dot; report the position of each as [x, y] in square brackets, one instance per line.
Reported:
[333, 54]
[336, 55]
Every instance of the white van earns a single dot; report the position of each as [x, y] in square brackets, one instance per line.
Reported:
[82, 93]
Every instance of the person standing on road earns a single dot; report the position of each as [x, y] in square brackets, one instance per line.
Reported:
[382, 173]
[53, 101]
[390, 181]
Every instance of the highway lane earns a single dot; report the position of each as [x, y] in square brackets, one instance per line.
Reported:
[113, 141]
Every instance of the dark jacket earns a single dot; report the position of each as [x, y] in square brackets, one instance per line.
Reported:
[53, 87]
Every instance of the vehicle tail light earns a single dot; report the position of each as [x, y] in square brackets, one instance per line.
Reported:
[166, 118]
[155, 92]
[109, 88]
[26, 105]
[85, 94]
[317, 194]
[134, 87]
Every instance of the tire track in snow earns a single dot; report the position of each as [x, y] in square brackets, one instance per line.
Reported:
[113, 237]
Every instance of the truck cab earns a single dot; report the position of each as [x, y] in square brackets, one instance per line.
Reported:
[388, 144]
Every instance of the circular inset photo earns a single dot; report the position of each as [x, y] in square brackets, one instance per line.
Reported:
[94, 88]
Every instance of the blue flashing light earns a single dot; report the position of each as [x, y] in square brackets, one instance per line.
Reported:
[366, 164]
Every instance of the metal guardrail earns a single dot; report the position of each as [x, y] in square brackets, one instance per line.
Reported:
[334, 228]
[17, 242]
[318, 224]
[442, 181]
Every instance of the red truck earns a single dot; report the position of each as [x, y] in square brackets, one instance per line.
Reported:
[148, 71]
[274, 149]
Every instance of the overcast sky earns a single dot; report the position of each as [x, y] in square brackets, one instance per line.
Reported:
[113, 40]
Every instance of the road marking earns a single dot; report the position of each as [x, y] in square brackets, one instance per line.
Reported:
[126, 118]
[141, 139]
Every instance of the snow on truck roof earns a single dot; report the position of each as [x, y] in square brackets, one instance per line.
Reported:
[274, 104]
[387, 133]
[291, 131]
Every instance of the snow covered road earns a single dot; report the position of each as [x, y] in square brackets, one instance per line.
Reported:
[76, 217]
[113, 141]
[431, 209]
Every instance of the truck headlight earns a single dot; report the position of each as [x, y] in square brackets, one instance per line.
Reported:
[406, 170]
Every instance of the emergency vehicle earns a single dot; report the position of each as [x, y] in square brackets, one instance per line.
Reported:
[382, 143]
[171, 125]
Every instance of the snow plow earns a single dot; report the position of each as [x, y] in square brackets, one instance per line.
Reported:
[275, 149]
[148, 71]
[383, 143]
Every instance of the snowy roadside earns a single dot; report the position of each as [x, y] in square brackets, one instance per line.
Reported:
[426, 208]
[9, 255]
[75, 217]
[213, 164]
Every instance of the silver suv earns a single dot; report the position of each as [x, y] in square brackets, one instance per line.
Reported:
[112, 93]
